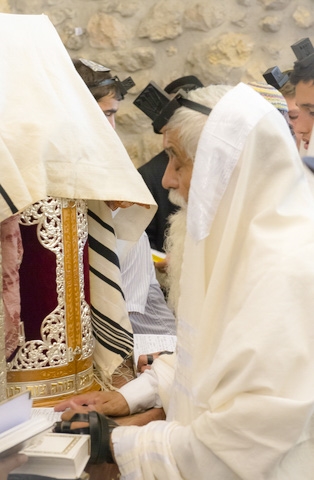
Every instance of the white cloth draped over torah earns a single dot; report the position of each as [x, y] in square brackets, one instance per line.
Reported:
[55, 141]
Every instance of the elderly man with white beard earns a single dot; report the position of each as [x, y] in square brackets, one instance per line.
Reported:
[240, 398]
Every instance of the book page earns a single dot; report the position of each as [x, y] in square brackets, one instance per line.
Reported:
[15, 410]
[144, 344]
[47, 412]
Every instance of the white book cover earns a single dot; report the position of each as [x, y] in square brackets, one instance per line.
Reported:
[58, 455]
[18, 428]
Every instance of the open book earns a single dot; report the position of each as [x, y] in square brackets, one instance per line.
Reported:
[17, 427]
[28, 430]
[144, 343]
[57, 455]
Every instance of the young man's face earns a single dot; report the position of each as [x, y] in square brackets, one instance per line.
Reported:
[109, 106]
[293, 112]
[304, 98]
[178, 173]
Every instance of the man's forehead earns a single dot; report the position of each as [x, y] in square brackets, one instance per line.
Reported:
[170, 137]
[304, 94]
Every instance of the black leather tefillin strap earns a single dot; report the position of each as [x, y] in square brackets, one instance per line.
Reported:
[158, 105]
[99, 429]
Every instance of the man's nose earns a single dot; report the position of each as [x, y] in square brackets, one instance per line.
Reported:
[112, 121]
[169, 178]
[304, 123]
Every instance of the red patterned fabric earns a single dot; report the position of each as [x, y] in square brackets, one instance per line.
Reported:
[12, 253]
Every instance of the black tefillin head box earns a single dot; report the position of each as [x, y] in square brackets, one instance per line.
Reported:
[157, 104]
[304, 51]
[275, 77]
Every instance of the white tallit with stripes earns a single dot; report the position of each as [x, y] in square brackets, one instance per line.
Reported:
[111, 325]
[55, 141]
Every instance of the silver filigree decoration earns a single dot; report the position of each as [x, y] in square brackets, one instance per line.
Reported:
[52, 350]
[2, 337]
[86, 325]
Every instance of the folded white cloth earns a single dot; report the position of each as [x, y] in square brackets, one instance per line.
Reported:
[54, 139]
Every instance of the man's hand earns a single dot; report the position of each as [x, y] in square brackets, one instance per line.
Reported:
[112, 404]
[162, 265]
[145, 361]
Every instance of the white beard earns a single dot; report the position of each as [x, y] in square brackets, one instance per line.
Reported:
[174, 245]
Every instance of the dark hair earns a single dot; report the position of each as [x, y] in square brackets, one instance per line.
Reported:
[301, 73]
[100, 82]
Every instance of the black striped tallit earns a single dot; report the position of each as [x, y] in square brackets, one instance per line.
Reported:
[110, 322]
[8, 200]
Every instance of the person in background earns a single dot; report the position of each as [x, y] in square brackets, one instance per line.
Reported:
[148, 311]
[280, 81]
[302, 78]
[288, 91]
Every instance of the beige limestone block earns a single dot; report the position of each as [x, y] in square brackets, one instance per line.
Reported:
[302, 17]
[105, 31]
[220, 60]
[4, 6]
[275, 4]
[139, 58]
[163, 21]
[230, 49]
[203, 16]
[128, 8]
[270, 24]
[29, 6]
[59, 15]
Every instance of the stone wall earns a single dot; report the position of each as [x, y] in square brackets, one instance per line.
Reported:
[217, 40]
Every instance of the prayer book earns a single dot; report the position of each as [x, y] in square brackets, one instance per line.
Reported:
[17, 427]
[57, 455]
[147, 344]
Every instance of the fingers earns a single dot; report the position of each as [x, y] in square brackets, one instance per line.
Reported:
[161, 266]
[83, 399]
[111, 404]
[67, 414]
[144, 361]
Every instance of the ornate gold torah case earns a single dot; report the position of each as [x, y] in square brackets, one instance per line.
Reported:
[56, 361]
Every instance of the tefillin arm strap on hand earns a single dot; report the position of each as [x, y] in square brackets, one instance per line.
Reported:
[99, 429]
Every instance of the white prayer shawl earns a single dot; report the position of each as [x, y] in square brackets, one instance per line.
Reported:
[242, 401]
[55, 141]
